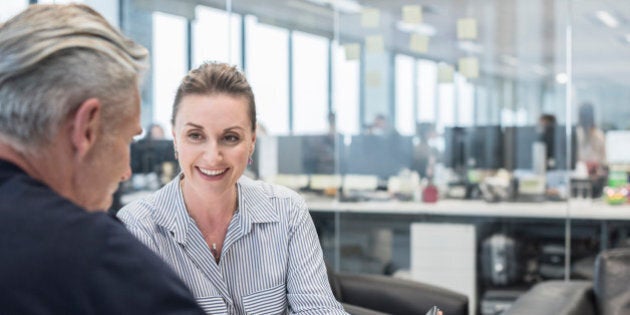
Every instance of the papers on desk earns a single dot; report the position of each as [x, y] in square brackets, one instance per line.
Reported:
[360, 182]
[295, 182]
[322, 182]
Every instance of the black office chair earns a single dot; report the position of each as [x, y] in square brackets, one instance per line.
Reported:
[376, 294]
[607, 294]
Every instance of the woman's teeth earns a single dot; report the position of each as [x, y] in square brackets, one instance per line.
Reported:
[212, 172]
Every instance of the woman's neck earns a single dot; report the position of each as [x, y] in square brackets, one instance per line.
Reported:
[208, 206]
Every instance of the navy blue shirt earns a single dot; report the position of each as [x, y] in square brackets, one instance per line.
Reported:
[56, 258]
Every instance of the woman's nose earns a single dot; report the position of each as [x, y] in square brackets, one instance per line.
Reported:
[212, 152]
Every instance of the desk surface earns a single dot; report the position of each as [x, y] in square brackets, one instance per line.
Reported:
[595, 210]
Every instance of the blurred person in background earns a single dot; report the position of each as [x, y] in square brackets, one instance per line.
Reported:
[591, 147]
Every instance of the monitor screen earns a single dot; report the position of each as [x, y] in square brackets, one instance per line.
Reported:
[484, 147]
[147, 156]
[560, 148]
[518, 143]
[381, 155]
[455, 147]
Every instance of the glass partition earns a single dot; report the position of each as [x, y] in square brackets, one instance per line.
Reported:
[477, 145]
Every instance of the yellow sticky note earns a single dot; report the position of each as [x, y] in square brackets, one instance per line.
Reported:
[469, 67]
[373, 78]
[353, 51]
[467, 28]
[374, 43]
[418, 43]
[412, 14]
[370, 18]
[445, 73]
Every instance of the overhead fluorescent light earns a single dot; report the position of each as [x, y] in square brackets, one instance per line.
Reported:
[509, 60]
[607, 19]
[422, 28]
[309, 7]
[562, 78]
[469, 46]
[343, 6]
[540, 70]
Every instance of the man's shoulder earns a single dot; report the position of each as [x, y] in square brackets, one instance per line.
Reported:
[59, 255]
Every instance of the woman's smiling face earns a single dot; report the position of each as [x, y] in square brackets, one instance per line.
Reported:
[214, 140]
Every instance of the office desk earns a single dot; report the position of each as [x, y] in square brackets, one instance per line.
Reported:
[367, 220]
[462, 209]
[594, 210]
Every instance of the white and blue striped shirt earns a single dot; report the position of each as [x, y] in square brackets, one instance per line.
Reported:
[271, 261]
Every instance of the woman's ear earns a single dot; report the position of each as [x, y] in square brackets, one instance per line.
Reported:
[253, 146]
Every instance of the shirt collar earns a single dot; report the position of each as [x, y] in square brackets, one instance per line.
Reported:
[170, 210]
[254, 201]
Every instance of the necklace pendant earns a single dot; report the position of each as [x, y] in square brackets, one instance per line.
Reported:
[215, 252]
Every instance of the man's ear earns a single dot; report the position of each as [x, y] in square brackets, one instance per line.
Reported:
[86, 125]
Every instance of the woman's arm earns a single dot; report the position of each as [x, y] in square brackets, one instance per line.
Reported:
[308, 290]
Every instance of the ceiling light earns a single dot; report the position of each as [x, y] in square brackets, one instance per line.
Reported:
[540, 70]
[509, 60]
[343, 6]
[422, 28]
[469, 46]
[607, 19]
[562, 78]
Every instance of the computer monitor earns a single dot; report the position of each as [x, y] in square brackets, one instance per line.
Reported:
[147, 156]
[484, 147]
[381, 155]
[560, 148]
[320, 154]
[290, 155]
[455, 148]
[308, 154]
[518, 143]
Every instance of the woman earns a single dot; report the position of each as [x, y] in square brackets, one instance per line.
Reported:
[242, 246]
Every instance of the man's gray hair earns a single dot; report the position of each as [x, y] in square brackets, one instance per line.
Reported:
[54, 57]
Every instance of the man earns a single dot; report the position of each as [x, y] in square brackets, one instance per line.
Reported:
[69, 108]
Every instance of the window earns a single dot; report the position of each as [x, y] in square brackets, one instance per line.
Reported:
[10, 8]
[447, 106]
[345, 91]
[405, 122]
[465, 100]
[268, 73]
[216, 36]
[310, 83]
[427, 87]
[169, 64]
[108, 9]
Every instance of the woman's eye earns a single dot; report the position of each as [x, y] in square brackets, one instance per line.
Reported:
[231, 138]
[194, 136]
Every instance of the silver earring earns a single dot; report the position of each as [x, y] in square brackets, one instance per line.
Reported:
[250, 161]
[176, 156]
